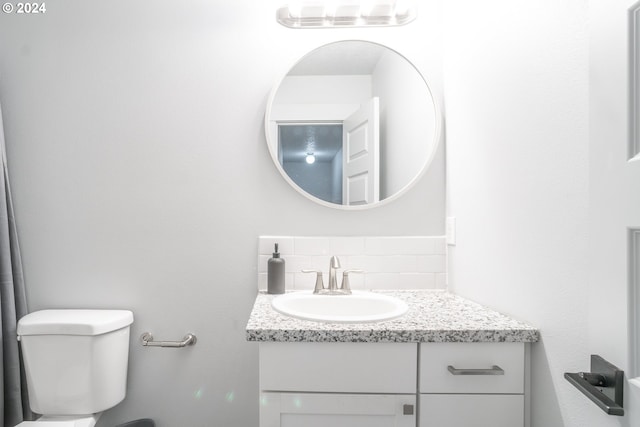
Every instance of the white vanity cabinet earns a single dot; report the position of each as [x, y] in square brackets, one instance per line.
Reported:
[306, 384]
[448, 362]
[472, 384]
[343, 384]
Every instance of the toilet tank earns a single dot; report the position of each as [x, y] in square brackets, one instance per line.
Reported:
[75, 360]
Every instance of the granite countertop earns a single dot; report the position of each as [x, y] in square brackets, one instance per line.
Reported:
[433, 316]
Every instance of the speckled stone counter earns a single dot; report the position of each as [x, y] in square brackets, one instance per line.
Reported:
[433, 316]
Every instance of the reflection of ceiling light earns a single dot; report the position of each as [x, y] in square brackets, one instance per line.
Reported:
[311, 158]
[339, 13]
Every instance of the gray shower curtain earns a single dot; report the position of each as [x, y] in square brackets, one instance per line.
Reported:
[15, 404]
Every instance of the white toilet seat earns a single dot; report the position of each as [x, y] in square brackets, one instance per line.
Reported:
[52, 421]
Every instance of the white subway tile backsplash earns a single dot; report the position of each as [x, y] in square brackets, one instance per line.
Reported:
[262, 263]
[381, 281]
[397, 262]
[289, 280]
[405, 263]
[431, 264]
[417, 281]
[379, 245]
[383, 264]
[304, 281]
[295, 263]
[440, 246]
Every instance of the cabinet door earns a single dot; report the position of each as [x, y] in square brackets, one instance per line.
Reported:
[471, 410]
[336, 410]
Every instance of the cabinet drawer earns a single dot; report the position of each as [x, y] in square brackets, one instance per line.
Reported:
[338, 367]
[471, 410]
[472, 365]
[337, 410]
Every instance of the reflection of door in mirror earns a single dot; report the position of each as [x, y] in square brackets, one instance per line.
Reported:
[361, 158]
[335, 162]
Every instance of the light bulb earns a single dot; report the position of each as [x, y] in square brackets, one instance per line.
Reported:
[311, 158]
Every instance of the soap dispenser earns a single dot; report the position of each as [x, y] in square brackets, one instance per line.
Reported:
[275, 273]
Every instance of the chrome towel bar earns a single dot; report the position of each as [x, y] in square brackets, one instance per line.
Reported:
[147, 341]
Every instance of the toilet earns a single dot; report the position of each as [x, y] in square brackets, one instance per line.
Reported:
[75, 363]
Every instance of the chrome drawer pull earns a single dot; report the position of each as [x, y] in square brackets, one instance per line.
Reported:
[495, 370]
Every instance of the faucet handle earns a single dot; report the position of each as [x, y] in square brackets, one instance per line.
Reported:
[346, 287]
[319, 284]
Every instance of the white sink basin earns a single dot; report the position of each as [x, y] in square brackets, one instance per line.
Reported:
[359, 307]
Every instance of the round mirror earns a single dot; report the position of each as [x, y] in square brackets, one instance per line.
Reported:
[352, 125]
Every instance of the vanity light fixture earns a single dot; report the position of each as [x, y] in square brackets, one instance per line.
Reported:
[311, 158]
[346, 13]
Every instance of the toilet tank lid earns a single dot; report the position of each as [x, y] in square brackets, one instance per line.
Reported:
[73, 322]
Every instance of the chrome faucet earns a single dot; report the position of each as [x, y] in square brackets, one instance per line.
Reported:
[333, 289]
[345, 287]
[334, 264]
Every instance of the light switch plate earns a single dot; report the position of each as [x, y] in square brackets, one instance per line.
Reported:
[451, 230]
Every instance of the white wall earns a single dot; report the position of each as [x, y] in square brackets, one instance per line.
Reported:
[342, 89]
[516, 95]
[142, 179]
[406, 122]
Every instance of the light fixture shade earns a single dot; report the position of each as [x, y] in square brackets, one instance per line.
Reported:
[310, 159]
[378, 8]
[341, 13]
